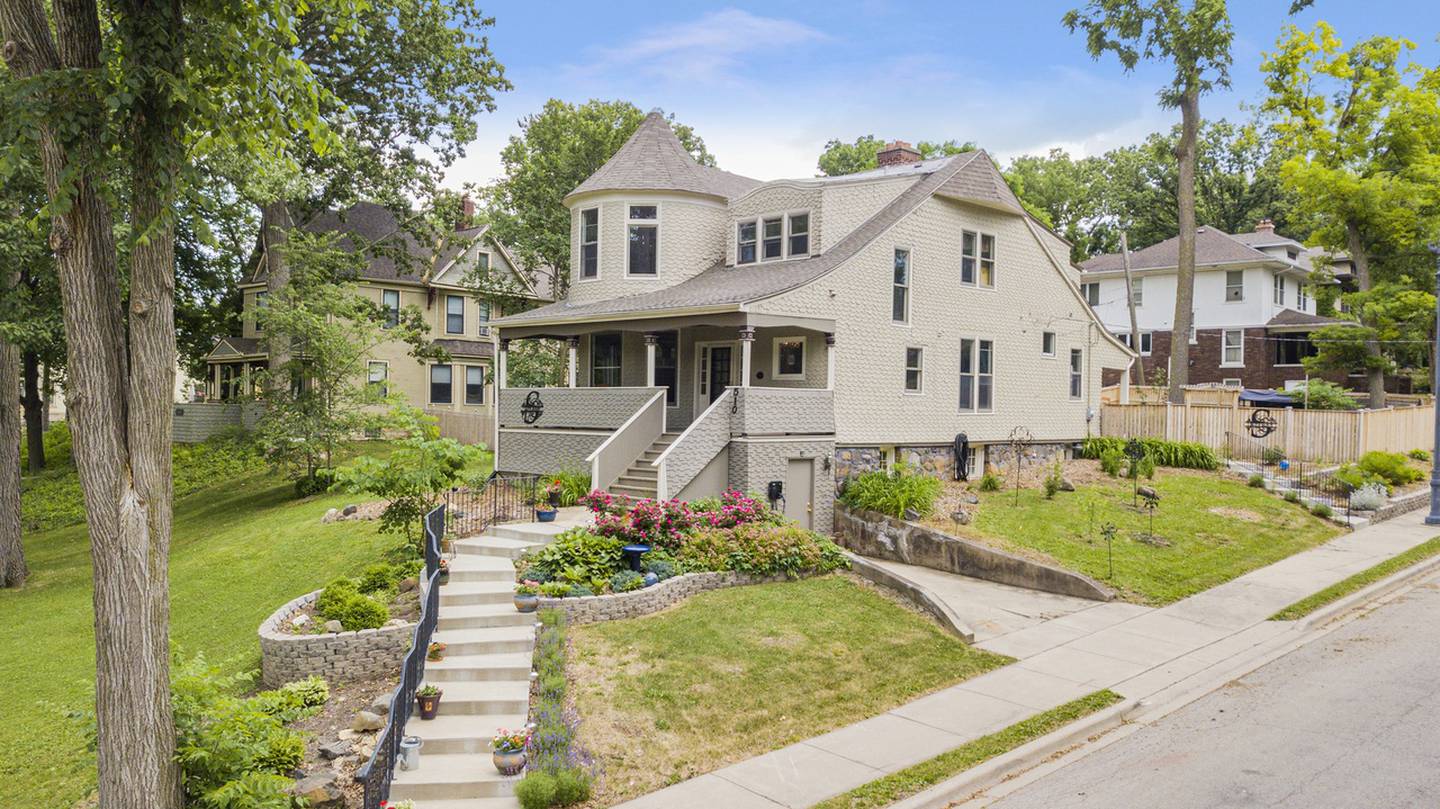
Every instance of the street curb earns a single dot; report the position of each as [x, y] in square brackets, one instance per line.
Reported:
[1366, 594]
[1021, 758]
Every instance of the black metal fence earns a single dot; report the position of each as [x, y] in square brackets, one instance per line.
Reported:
[1311, 483]
[503, 498]
[377, 773]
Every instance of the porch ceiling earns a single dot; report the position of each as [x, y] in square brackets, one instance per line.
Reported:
[649, 324]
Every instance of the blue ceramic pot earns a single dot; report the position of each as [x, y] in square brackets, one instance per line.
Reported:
[545, 516]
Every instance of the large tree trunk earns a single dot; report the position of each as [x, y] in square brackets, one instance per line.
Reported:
[34, 406]
[121, 422]
[1185, 273]
[275, 224]
[1374, 377]
[12, 553]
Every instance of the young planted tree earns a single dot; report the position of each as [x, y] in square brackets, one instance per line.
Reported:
[1364, 129]
[1195, 40]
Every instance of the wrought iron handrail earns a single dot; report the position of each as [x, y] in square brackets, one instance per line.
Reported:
[503, 497]
[379, 771]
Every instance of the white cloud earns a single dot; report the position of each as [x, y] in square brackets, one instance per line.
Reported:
[708, 49]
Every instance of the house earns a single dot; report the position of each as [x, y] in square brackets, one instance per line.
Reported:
[1254, 304]
[400, 272]
[778, 336]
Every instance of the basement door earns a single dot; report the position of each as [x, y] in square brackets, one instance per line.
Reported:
[800, 490]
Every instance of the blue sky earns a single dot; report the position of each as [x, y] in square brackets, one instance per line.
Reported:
[767, 84]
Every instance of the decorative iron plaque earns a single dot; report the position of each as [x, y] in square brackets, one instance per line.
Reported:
[533, 408]
[1261, 423]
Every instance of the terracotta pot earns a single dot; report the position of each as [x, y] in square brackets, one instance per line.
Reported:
[429, 706]
[527, 603]
[509, 763]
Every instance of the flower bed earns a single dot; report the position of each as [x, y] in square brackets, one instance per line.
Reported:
[617, 606]
[335, 656]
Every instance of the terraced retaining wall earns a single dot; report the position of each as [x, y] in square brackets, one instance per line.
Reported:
[336, 656]
[656, 597]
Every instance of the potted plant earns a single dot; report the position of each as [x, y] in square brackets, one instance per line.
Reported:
[509, 750]
[444, 577]
[544, 512]
[428, 698]
[436, 651]
[527, 596]
[553, 491]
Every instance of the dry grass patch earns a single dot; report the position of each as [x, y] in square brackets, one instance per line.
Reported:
[734, 673]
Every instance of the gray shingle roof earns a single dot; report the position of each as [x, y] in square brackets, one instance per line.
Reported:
[721, 285]
[1212, 247]
[395, 254]
[978, 181]
[466, 348]
[1290, 317]
[653, 159]
[1256, 238]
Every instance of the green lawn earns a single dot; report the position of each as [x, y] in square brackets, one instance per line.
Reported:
[733, 673]
[1366, 577]
[241, 548]
[1212, 530]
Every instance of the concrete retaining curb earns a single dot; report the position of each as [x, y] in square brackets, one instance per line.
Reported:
[1368, 593]
[336, 656]
[914, 591]
[652, 599]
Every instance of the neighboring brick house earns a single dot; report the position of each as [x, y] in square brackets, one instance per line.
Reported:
[797, 331]
[1254, 305]
[399, 273]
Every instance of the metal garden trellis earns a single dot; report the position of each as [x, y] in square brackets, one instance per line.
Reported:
[1020, 439]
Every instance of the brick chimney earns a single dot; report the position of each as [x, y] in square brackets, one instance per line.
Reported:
[467, 212]
[895, 153]
[1265, 226]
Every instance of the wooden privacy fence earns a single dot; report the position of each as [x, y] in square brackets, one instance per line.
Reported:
[1309, 435]
[467, 428]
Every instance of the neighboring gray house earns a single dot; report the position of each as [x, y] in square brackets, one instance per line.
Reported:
[726, 332]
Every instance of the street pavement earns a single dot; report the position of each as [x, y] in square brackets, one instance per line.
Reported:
[1350, 721]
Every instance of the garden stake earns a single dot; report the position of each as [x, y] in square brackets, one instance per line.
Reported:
[1108, 529]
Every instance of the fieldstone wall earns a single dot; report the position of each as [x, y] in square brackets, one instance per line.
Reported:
[937, 461]
[870, 533]
[338, 656]
[851, 461]
[617, 606]
[1000, 458]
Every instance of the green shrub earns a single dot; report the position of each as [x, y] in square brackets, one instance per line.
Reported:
[1352, 478]
[662, 568]
[335, 594]
[580, 591]
[361, 612]
[572, 785]
[1272, 455]
[1174, 454]
[1391, 467]
[1292, 496]
[1054, 480]
[573, 485]
[1112, 462]
[1142, 467]
[893, 492]
[1322, 395]
[1321, 510]
[311, 485]
[577, 557]
[1257, 481]
[1419, 455]
[625, 581]
[536, 790]
[310, 692]
[377, 577]
[762, 550]
[555, 589]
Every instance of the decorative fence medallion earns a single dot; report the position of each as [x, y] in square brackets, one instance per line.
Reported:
[533, 408]
[1261, 423]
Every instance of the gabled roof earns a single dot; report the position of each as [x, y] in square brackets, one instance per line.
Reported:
[1290, 317]
[1212, 248]
[653, 159]
[977, 181]
[236, 347]
[1266, 238]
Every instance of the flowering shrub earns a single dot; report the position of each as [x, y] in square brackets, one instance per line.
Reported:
[761, 549]
[731, 509]
[601, 502]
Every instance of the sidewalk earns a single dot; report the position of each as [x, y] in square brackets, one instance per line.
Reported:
[1133, 650]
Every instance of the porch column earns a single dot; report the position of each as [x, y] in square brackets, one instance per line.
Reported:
[747, 339]
[651, 340]
[574, 344]
[215, 382]
[245, 379]
[500, 378]
[830, 360]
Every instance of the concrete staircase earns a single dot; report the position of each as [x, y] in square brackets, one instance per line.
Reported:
[641, 479]
[485, 675]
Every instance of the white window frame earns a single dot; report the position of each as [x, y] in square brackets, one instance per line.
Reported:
[449, 297]
[1054, 340]
[1147, 342]
[384, 381]
[1086, 290]
[754, 241]
[908, 286]
[1077, 373]
[775, 355]
[619, 367]
[978, 259]
[918, 368]
[1225, 348]
[974, 375]
[1232, 382]
[1137, 291]
[581, 276]
[484, 313]
[1302, 296]
[790, 233]
[430, 382]
[1241, 286]
[655, 223]
[779, 221]
[787, 231]
[465, 386]
[1279, 289]
[399, 304]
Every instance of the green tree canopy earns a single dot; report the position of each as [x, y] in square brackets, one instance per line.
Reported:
[840, 157]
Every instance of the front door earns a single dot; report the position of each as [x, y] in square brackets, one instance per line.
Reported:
[719, 371]
[716, 368]
[799, 489]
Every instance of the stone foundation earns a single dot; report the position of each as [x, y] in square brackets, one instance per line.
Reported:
[1000, 458]
[336, 656]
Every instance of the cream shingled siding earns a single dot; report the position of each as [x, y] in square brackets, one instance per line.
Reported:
[847, 205]
[776, 198]
[1030, 297]
[692, 234]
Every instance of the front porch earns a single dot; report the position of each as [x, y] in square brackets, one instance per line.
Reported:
[682, 408]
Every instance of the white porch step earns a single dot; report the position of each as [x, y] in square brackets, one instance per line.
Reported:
[462, 593]
[633, 491]
[506, 547]
[642, 472]
[494, 640]
[489, 697]
[629, 481]
[475, 568]
[497, 666]
[476, 616]
[460, 733]
[542, 531]
[451, 776]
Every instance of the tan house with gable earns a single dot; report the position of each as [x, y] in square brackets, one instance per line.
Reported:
[727, 332]
[428, 279]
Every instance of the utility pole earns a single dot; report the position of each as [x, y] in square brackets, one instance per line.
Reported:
[1130, 302]
[1434, 517]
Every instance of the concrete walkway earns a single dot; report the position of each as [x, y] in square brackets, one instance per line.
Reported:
[1136, 651]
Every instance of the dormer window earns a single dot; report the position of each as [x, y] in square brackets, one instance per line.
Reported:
[644, 240]
[772, 238]
[590, 243]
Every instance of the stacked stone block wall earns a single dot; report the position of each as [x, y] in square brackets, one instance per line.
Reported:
[338, 657]
[618, 606]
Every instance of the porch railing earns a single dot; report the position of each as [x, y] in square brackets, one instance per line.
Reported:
[504, 497]
[376, 775]
[636, 435]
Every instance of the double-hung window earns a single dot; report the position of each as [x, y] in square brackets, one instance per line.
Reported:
[914, 370]
[1145, 343]
[1091, 293]
[259, 304]
[772, 238]
[644, 240]
[746, 244]
[1234, 286]
[977, 374]
[378, 376]
[440, 384]
[474, 384]
[1302, 297]
[390, 302]
[900, 295]
[590, 243]
[454, 314]
[1279, 290]
[1137, 291]
[483, 315]
[1232, 347]
[1047, 343]
[1077, 364]
[605, 361]
[799, 235]
[977, 259]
